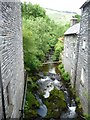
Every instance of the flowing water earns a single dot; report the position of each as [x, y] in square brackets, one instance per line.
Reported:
[50, 79]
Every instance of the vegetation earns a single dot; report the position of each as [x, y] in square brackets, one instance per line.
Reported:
[40, 34]
[29, 10]
[60, 17]
[65, 75]
[66, 78]
[55, 104]
[78, 17]
[86, 117]
[59, 47]
[31, 102]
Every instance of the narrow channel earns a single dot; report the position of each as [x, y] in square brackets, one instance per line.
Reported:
[50, 79]
[53, 96]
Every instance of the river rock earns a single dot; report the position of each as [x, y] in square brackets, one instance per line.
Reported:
[42, 111]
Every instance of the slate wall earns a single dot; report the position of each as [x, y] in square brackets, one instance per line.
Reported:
[83, 88]
[70, 43]
[12, 68]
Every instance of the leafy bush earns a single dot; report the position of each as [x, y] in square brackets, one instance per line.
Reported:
[31, 105]
[31, 102]
[77, 99]
[32, 10]
[65, 75]
[87, 116]
[61, 66]
[62, 70]
[40, 34]
[78, 17]
[59, 47]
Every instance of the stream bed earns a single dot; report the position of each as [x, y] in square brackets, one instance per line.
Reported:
[50, 79]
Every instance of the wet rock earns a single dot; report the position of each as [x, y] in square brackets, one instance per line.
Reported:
[70, 114]
[41, 75]
[57, 77]
[54, 76]
[62, 88]
[50, 74]
[42, 111]
[55, 104]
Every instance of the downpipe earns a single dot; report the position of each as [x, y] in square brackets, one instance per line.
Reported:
[24, 96]
[2, 93]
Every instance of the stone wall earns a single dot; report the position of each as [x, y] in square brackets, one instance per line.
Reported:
[83, 69]
[79, 68]
[0, 61]
[89, 60]
[12, 69]
[70, 42]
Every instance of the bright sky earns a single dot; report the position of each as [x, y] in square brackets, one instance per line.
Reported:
[63, 5]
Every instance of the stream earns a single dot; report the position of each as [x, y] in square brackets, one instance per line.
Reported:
[50, 79]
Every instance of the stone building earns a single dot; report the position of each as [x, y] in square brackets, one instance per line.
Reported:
[83, 59]
[11, 59]
[78, 65]
[70, 42]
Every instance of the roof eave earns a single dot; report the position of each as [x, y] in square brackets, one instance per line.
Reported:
[70, 34]
[85, 4]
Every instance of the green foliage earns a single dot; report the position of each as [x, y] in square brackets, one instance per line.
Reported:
[34, 38]
[59, 47]
[86, 116]
[39, 36]
[31, 105]
[61, 66]
[65, 75]
[31, 102]
[78, 17]
[32, 10]
[55, 103]
[73, 91]
[77, 100]
[32, 86]
[62, 71]
[79, 109]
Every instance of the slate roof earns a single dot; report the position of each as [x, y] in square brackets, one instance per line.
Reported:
[86, 3]
[73, 30]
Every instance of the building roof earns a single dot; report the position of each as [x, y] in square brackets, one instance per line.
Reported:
[86, 3]
[73, 30]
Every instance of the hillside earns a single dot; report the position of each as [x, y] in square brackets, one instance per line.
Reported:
[60, 16]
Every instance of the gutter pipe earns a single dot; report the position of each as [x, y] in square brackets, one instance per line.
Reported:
[2, 92]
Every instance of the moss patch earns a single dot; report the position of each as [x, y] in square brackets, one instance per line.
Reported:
[64, 75]
[31, 102]
[55, 104]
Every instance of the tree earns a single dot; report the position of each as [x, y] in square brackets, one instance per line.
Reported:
[78, 17]
[29, 10]
[40, 34]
